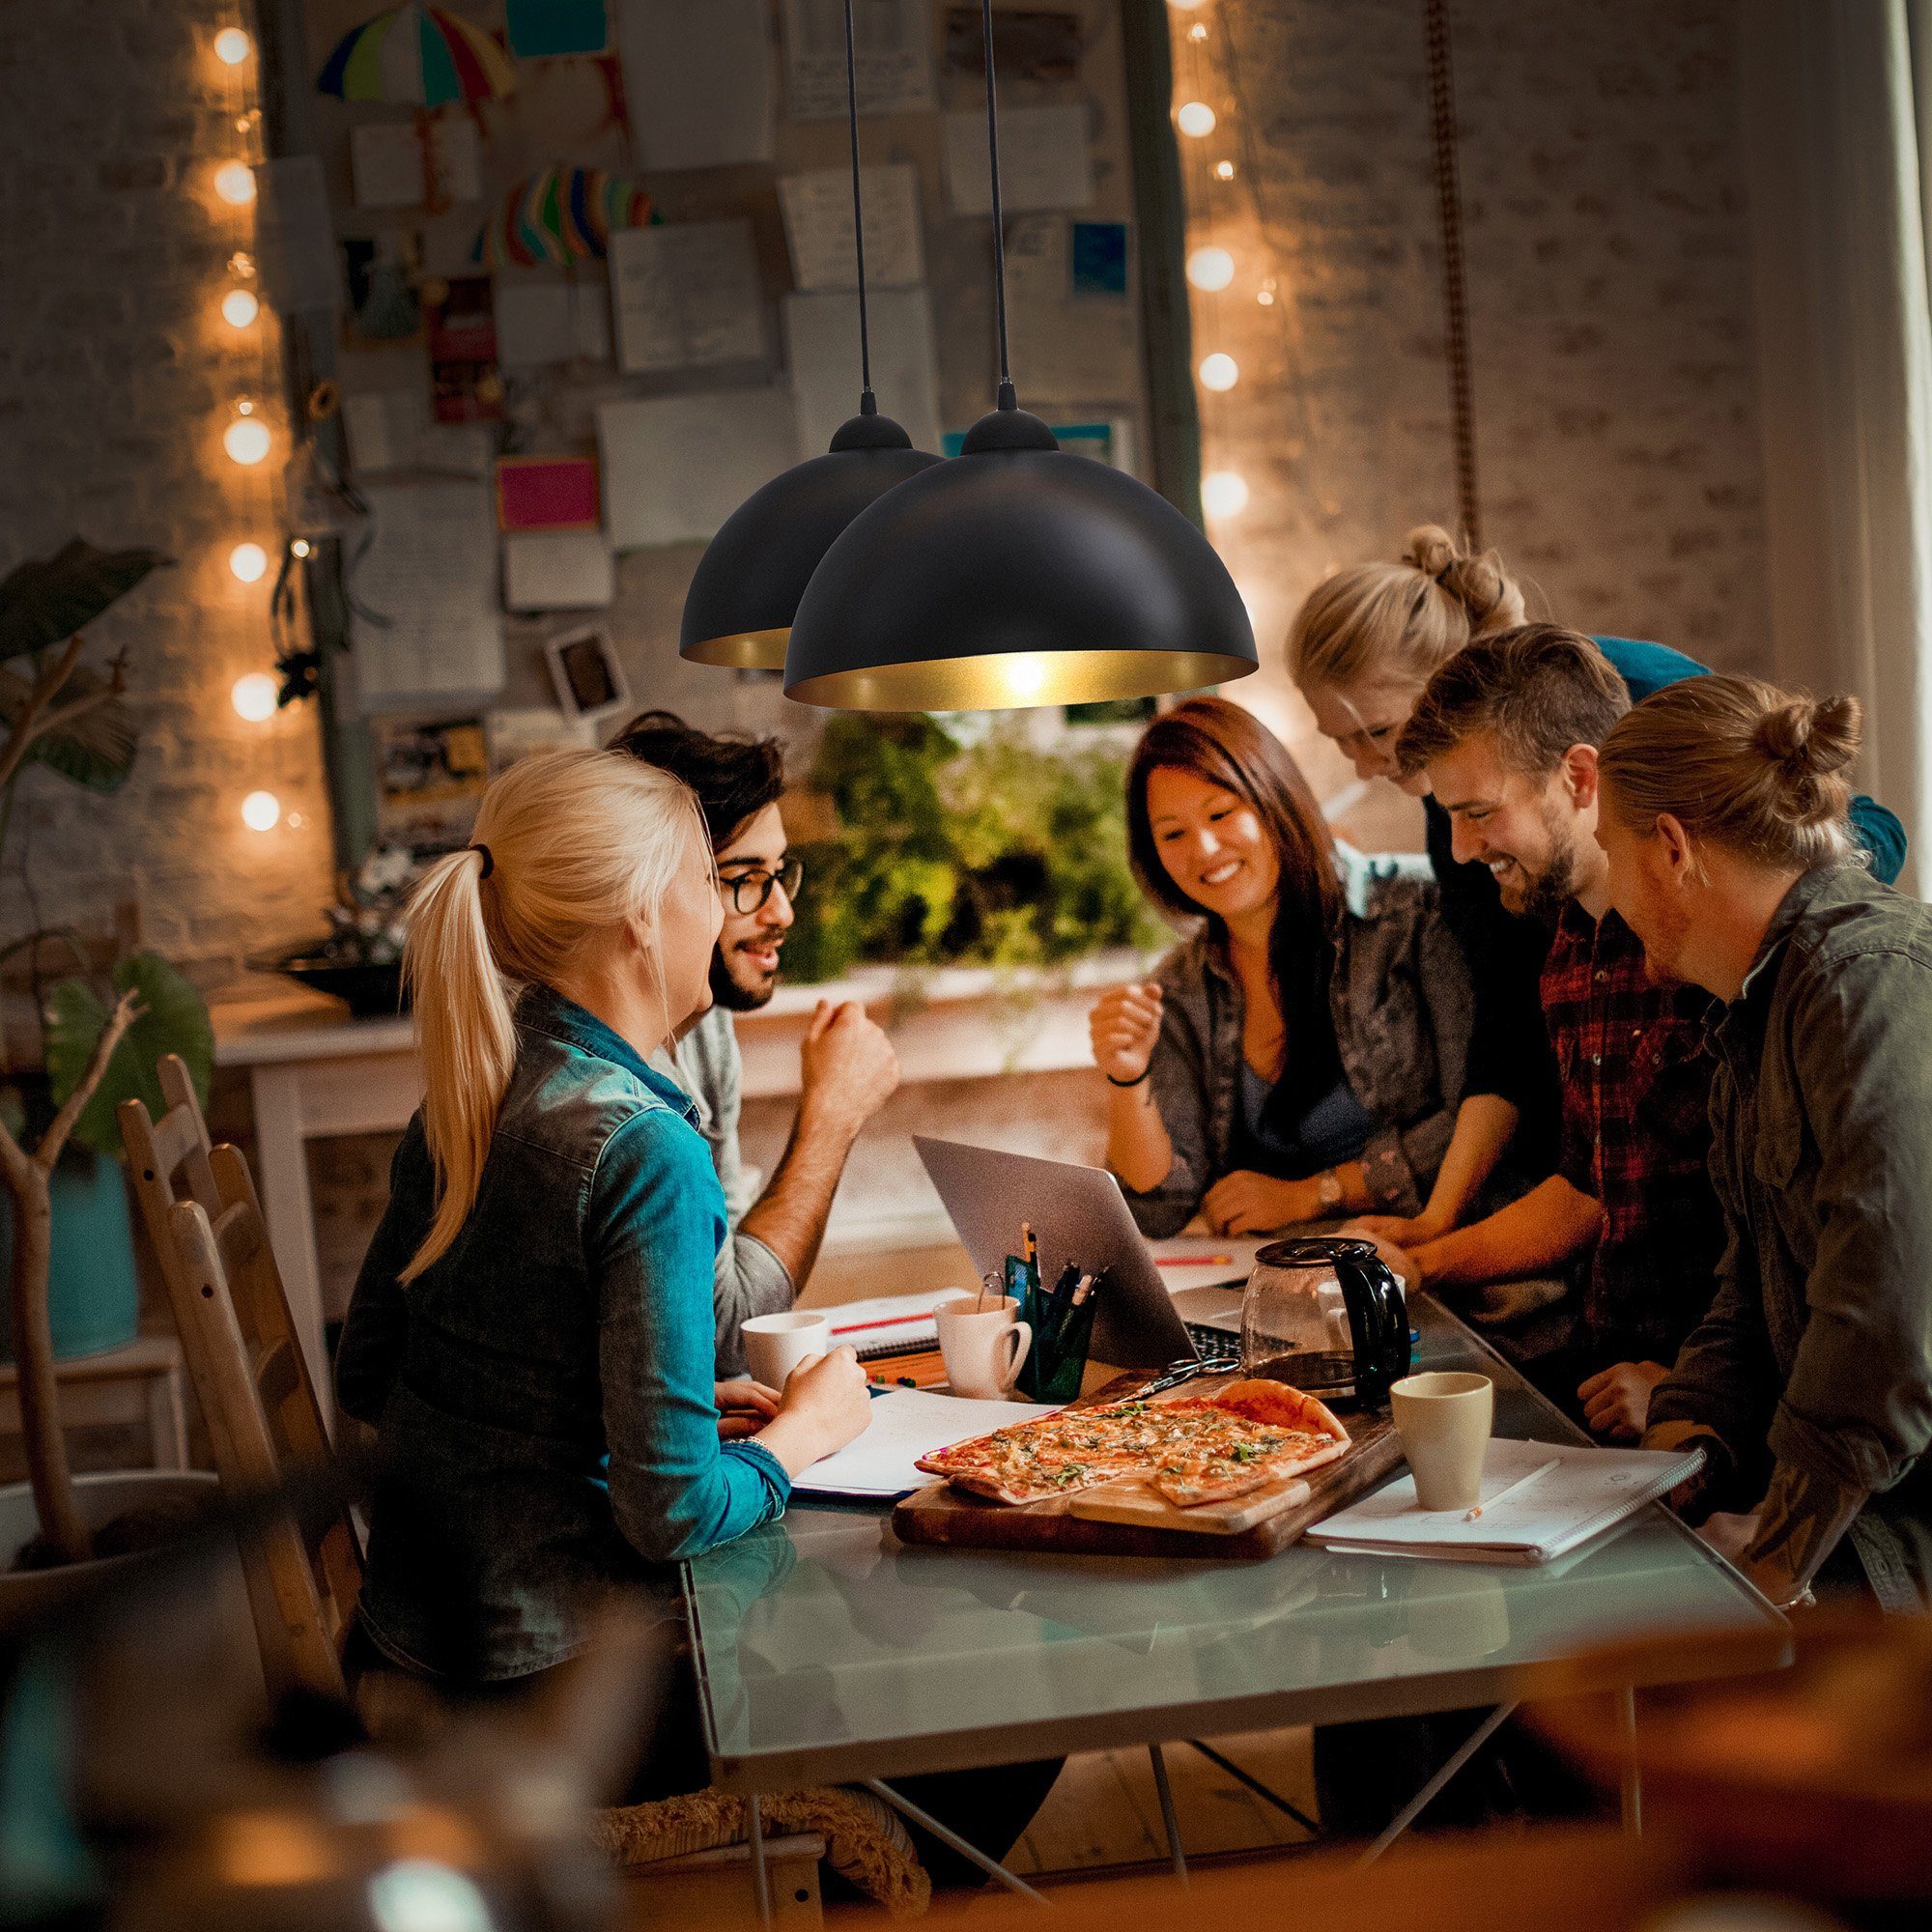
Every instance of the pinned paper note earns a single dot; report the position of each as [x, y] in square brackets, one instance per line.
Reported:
[675, 467]
[1046, 160]
[1064, 349]
[294, 236]
[425, 629]
[519, 730]
[821, 334]
[818, 227]
[557, 570]
[697, 81]
[891, 44]
[686, 296]
[406, 164]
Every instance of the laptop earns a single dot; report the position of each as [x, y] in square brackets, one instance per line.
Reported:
[1079, 1214]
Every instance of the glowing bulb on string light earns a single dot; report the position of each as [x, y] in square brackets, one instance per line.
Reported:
[1198, 32]
[1219, 371]
[1224, 492]
[246, 439]
[242, 265]
[1211, 268]
[234, 183]
[232, 47]
[249, 561]
[254, 698]
[299, 546]
[1195, 117]
[1224, 171]
[239, 307]
[261, 812]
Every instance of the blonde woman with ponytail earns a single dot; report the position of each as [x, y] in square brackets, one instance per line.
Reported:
[1361, 648]
[531, 1332]
[1725, 820]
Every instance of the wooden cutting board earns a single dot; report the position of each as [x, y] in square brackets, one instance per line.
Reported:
[1275, 1516]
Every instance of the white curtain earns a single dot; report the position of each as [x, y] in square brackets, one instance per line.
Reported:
[1838, 127]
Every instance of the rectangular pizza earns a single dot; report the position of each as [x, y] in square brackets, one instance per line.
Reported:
[1192, 1450]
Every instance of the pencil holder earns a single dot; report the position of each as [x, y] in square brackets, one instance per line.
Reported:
[1057, 1362]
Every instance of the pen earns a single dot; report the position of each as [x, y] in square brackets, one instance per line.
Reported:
[1521, 1483]
[1193, 1261]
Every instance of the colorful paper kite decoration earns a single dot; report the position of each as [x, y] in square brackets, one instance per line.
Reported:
[418, 56]
[561, 215]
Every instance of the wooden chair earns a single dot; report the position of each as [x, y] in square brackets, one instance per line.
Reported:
[249, 1374]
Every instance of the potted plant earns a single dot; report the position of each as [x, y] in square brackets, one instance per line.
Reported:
[57, 711]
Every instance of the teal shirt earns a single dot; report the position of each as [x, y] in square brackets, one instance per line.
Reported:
[542, 1394]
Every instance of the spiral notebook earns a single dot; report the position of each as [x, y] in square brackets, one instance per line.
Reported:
[890, 1324]
[1588, 1492]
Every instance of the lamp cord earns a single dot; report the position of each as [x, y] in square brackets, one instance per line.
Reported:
[1007, 400]
[1455, 294]
[867, 403]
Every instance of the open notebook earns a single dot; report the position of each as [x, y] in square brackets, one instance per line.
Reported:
[907, 1424]
[1589, 1490]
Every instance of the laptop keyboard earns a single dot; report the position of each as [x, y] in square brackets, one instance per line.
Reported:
[1213, 1341]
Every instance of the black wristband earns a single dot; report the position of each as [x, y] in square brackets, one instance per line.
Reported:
[1135, 1081]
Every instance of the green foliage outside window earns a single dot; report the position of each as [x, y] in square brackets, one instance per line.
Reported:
[994, 853]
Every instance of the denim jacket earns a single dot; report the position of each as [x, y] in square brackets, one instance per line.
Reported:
[541, 1393]
[1399, 997]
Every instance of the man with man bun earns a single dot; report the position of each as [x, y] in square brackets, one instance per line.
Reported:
[1809, 1382]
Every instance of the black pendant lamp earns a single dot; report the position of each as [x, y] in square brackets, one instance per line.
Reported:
[738, 611]
[1016, 574]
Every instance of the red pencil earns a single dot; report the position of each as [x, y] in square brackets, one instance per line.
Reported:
[1193, 1261]
[889, 1322]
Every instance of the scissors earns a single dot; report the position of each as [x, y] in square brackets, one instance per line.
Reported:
[1185, 1370]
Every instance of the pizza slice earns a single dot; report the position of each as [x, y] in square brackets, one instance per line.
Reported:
[1266, 1432]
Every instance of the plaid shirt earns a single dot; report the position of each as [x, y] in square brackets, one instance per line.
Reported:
[1636, 1067]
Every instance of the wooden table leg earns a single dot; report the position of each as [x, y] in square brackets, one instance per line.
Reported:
[281, 1154]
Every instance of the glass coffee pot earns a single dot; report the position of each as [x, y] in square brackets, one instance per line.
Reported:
[1325, 1314]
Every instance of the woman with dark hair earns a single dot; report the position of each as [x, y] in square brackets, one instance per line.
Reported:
[1301, 1053]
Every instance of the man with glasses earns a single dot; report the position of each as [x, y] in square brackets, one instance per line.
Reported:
[847, 1068]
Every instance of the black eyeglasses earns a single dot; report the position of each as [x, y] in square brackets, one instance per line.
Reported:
[749, 891]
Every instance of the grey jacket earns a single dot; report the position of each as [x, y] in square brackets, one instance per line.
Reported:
[1399, 997]
[750, 1278]
[1818, 1345]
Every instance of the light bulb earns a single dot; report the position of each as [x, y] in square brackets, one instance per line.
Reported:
[241, 265]
[1211, 268]
[249, 561]
[246, 439]
[232, 47]
[1198, 32]
[1219, 371]
[1196, 118]
[254, 698]
[1026, 678]
[1224, 492]
[1185, 6]
[1266, 297]
[260, 811]
[234, 183]
[299, 546]
[239, 308]
[1224, 171]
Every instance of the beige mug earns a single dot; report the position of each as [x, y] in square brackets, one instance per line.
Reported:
[983, 1351]
[774, 1344]
[1444, 1417]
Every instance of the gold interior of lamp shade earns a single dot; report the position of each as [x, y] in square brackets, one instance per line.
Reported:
[1010, 679]
[745, 651]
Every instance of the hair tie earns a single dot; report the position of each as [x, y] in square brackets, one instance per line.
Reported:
[489, 860]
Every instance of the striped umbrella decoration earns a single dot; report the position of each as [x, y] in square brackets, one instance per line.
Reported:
[561, 216]
[418, 56]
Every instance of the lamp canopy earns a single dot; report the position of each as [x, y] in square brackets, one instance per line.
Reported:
[1016, 575]
[745, 590]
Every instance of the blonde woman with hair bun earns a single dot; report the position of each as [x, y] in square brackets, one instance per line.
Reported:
[1364, 643]
[531, 1332]
[1726, 822]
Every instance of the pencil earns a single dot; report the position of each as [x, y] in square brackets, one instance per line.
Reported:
[1521, 1483]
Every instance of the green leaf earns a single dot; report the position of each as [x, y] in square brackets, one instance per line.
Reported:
[97, 749]
[48, 600]
[176, 1021]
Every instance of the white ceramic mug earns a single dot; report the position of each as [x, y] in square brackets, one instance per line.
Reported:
[983, 1352]
[1443, 1418]
[774, 1344]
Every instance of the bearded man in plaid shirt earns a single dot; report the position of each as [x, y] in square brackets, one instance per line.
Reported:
[1507, 732]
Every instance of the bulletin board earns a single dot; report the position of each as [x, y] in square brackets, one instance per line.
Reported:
[574, 322]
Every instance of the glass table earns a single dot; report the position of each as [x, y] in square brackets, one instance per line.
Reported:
[828, 1652]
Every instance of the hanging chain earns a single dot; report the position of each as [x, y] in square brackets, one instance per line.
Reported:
[1455, 294]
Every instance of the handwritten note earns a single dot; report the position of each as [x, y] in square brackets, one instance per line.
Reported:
[675, 467]
[821, 334]
[891, 45]
[1044, 161]
[818, 228]
[686, 296]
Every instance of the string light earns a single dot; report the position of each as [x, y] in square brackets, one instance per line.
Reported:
[246, 439]
[1224, 492]
[1184, 6]
[242, 265]
[1198, 32]
[254, 698]
[235, 183]
[232, 47]
[1211, 268]
[239, 308]
[1224, 171]
[299, 546]
[249, 561]
[1194, 117]
[1219, 371]
[261, 812]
